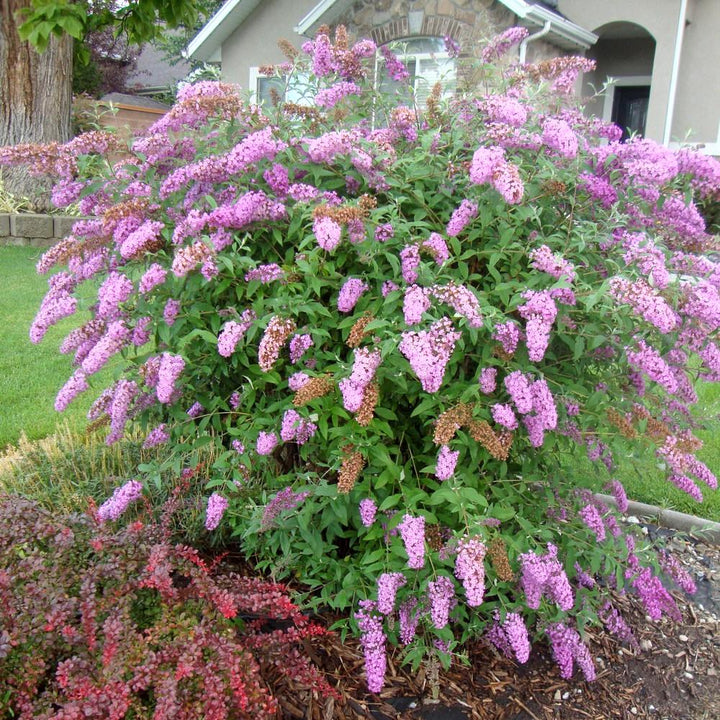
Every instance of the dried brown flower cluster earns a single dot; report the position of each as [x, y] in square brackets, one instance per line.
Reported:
[343, 214]
[60, 160]
[500, 352]
[433, 537]
[688, 443]
[314, 388]
[499, 559]
[433, 105]
[352, 465]
[621, 423]
[370, 399]
[71, 247]
[41, 159]
[700, 244]
[558, 67]
[554, 187]
[188, 257]
[357, 331]
[102, 421]
[347, 62]
[303, 111]
[288, 49]
[342, 41]
[134, 207]
[276, 334]
[450, 422]
[497, 444]
[275, 97]
[311, 114]
[656, 429]
[227, 104]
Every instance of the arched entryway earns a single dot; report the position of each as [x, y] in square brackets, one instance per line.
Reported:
[624, 53]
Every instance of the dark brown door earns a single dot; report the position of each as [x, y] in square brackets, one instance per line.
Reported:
[630, 108]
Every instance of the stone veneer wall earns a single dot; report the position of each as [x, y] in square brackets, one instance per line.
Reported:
[471, 23]
[468, 22]
[34, 230]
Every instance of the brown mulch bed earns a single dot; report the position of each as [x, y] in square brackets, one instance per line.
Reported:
[675, 675]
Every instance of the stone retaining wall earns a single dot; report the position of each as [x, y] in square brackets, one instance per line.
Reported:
[34, 230]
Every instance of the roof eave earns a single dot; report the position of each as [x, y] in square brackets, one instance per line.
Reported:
[326, 12]
[565, 33]
[207, 44]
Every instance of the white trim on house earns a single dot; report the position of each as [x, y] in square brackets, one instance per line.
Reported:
[297, 90]
[522, 53]
[677, 53]
[207, 44]
[325, 12]
[622, 81]
[422, 84]
[253, 75]
[564, 33]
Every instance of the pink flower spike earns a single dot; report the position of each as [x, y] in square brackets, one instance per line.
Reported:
[488, 380]
[350, 293]
[412, 532]
[446, 462]
[327, 232]
[216, 507]
[368, 510]
[266, 443]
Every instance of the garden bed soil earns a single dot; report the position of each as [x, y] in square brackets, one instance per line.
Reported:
[675, 675]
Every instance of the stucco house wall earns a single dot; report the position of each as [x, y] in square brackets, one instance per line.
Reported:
[254, 43]
[697, 101]
[697, 108]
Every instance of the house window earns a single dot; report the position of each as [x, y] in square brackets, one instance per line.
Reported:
[427, 62]
[295, 88]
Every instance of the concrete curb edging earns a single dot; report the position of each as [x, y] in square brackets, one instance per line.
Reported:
[33, 229]
[705, 529]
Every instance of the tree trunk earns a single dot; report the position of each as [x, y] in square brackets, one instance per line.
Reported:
[35, 95]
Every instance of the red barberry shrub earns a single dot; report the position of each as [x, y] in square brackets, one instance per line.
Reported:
[113, 622]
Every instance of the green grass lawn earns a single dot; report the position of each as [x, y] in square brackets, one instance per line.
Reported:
[31, 375]
[645, 481]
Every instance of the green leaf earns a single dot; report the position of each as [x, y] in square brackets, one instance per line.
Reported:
[579, 347]
[444, 495]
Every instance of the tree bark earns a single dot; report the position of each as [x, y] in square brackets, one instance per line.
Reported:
[35, 94]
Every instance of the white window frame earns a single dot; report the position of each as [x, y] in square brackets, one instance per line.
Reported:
[418, 56]
[254, 75]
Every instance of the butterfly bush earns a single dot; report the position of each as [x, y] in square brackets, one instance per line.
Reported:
[397, 320]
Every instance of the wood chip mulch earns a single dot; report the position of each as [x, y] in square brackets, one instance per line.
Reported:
[673, 675]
